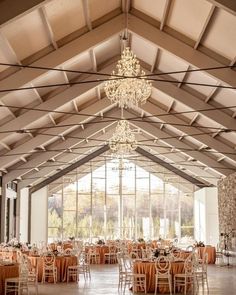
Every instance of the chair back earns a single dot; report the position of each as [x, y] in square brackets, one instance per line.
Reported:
[23, 267]
[162, 265]
[7, 256]
[176, 255]
[189, 264]
[127, 263]
[48, 259]
[83, 258]
[133, 255]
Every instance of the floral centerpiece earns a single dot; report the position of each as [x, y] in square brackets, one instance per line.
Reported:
[156, 253]
[199, 244]
[141, 240]
[14, 243]
[100, 242]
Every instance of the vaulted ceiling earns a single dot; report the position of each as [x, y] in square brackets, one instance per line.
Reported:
[55, 112]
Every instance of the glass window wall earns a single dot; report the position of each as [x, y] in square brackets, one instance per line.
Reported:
[118, 201]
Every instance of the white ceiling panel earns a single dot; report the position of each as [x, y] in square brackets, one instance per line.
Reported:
[15, 138]
[179, 107]
[226, 97]
[208, 123]
[161, 97]
[201, 78]
[22, 33]
[85, 97]
[107, 49]
[221, 37]
[99, 8]
[20, 98]
[42, 122]
[168, 62]
[231, 137]
[143, 49]
[3, 60]
[5, 114]
[65, 16]
[81, 62]
[65, 108]
[188, 16]
[50, 78]
[6, 55]
[153, 8]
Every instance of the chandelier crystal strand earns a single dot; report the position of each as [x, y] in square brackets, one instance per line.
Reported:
[123, 140]
[131, 91]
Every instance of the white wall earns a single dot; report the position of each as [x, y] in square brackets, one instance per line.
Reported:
[24, 206]
[39, 216]
[206, 216]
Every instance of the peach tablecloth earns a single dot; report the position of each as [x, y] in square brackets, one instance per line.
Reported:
[148, 268]
[211, 251]
[62, 263]
[101, 250]
[7, 271]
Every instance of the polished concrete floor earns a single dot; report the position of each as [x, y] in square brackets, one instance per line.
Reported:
[104, 279]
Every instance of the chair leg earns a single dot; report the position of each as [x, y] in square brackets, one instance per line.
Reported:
[156, 281]
[170, 287]
[68, 274]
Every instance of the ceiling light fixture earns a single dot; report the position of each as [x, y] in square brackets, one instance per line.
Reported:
[123, 140]
[129, 86]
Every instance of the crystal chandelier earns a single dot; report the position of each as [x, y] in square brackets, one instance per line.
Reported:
[128, 92]
[123, 140]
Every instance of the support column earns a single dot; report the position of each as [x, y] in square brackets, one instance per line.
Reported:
[3, 213]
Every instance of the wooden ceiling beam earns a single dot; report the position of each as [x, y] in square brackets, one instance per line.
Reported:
[63, 54]
[228, 5]
[11, 9]
[180, 49]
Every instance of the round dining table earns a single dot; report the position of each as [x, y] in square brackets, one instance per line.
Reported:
[7, 271]
[61, 262]
[101, 250]
[148, 268]
[210, 250]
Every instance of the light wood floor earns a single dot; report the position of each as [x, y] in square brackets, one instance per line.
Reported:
[104, 279]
